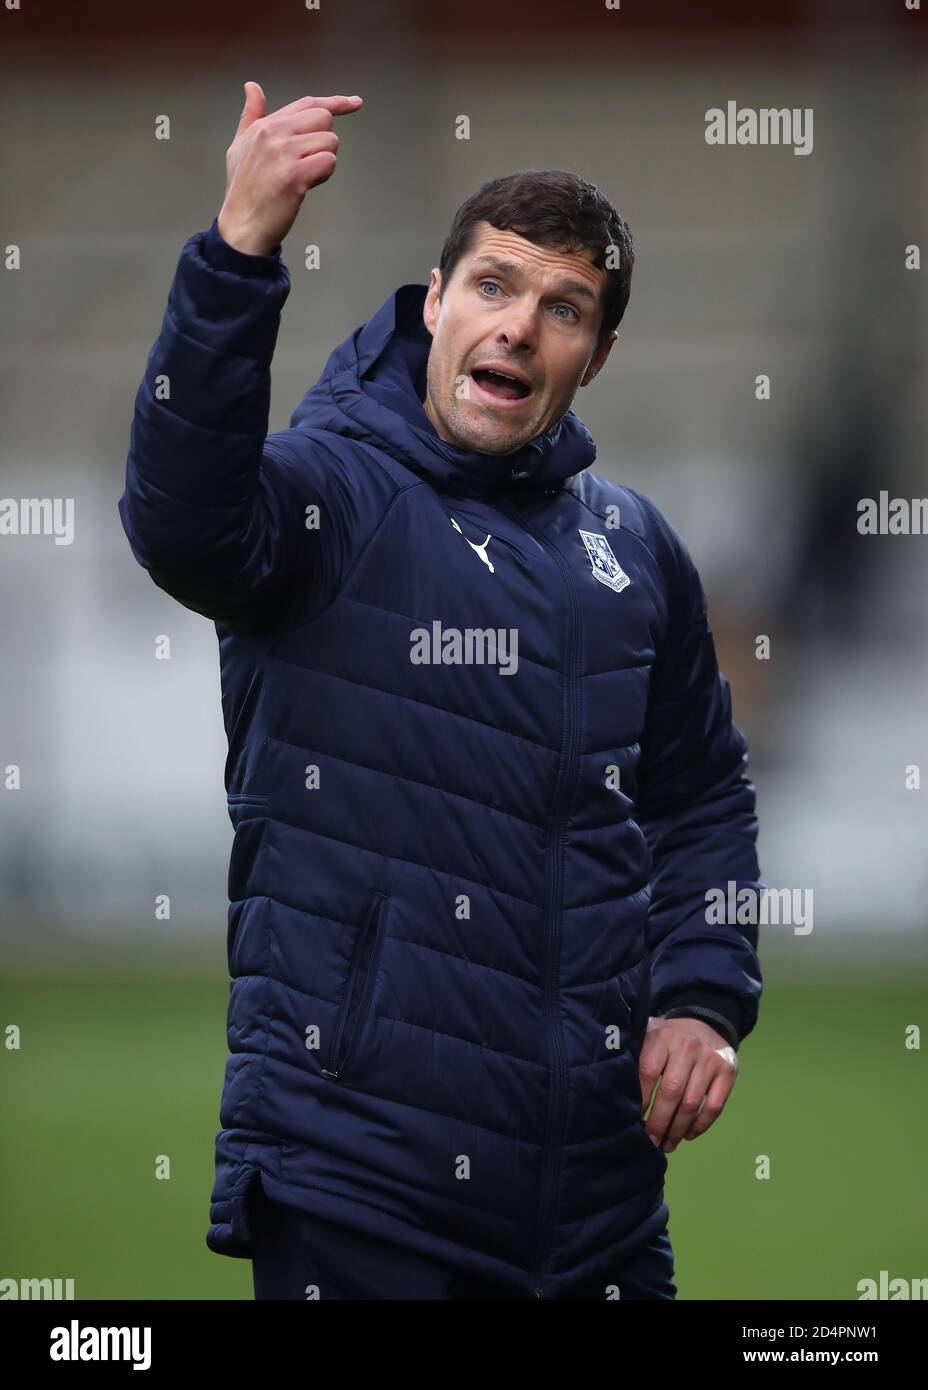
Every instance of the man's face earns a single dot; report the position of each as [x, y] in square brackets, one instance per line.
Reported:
[517, 308]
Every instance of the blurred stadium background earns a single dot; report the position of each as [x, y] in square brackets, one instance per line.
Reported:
[750, 260]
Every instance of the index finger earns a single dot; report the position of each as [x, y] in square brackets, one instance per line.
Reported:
[338, 105]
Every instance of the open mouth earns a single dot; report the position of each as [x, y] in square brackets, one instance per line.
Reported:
[500, 386]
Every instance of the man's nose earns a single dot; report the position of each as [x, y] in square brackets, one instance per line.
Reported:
[519, 329]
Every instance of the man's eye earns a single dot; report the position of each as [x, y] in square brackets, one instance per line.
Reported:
[491, 283]
[568, 307]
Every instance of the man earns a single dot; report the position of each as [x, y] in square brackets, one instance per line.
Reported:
[482, 768]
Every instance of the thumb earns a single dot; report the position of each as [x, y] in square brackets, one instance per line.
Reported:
[254, 108]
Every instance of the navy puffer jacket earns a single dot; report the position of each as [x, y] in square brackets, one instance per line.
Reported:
[482, 771]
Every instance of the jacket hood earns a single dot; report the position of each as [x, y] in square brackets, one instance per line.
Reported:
[372, 387]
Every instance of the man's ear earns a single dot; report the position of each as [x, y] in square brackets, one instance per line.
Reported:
[599, 357]
[432, 302]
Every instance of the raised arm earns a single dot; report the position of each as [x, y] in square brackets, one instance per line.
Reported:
[215, 508]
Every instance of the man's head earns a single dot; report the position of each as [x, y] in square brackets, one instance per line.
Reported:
[533, 281]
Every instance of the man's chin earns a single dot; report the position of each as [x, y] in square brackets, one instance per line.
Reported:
[490, 440]
[478, 434]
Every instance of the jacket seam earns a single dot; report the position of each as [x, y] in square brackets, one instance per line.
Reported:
[469, 1121]
[423, 946]
[414, 781]
[410, 699]
[307, 911]
[400, 859]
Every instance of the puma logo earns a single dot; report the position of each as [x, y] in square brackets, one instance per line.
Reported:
[481, 549]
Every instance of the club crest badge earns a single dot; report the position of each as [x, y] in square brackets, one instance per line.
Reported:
[606, 567]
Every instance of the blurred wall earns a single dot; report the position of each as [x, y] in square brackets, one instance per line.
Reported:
[751, 260]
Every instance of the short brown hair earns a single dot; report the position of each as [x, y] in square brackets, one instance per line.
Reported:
[550, 207]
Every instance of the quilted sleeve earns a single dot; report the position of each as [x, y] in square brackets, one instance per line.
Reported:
[214, 507]
[696, 807]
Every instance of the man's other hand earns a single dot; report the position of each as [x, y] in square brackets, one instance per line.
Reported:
[696, 1068]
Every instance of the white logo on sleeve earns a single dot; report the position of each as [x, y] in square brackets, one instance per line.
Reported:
[481, 549]
[606, 567]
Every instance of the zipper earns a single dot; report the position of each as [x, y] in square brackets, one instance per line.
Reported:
[566, 777]
[355, 1005]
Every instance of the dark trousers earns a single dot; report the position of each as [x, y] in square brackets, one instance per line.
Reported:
[300, 1256]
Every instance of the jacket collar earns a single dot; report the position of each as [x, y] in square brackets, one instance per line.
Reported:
[373, 386]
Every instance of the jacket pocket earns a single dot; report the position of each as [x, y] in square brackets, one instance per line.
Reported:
[354, 1009]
